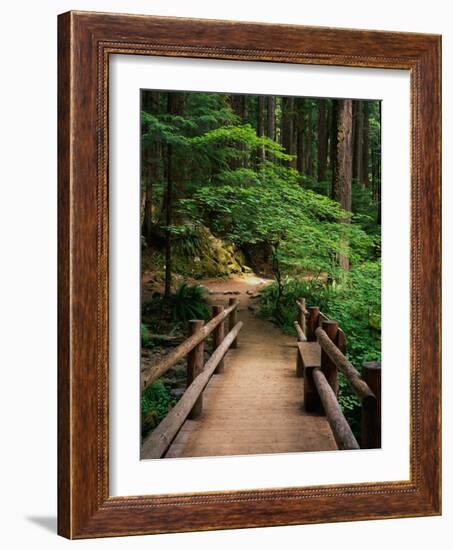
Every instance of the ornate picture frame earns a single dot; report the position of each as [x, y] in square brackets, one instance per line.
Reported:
[85, 507]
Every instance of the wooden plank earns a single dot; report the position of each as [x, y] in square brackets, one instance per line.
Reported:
[310, 358]
[310, 353]
[256, 405]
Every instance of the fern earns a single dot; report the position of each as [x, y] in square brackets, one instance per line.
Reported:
[189, 302]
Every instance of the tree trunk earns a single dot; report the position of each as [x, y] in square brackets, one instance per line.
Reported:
[238, 103]
[357, 140]
[175, 106]
[300, 131]
[288, 125]
[260, 125]
[322, 139]
[271, 117]
[149, 166]
[168, 220]
[333, 146]
[343, 168]
[376, 173]
[309, 140]
[364, 179]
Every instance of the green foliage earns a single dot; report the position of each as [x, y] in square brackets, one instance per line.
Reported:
[156, 401]
[272, 208]
[189, 302]
[217, 148]
[145, 336]
[187, 241]
[235, 192]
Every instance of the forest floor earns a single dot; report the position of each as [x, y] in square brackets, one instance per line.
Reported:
[256, 404]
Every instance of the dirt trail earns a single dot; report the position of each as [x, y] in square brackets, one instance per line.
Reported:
[255, 406]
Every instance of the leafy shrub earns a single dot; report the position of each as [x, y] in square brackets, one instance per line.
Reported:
[156, 401]
[145, 336]
[187, 241]
[189, 302]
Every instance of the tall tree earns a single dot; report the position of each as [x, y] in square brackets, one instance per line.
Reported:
[333, 140]
[271, 116]
[300, 132]
[287, 124]
[364, 179]
[174, 176]
[238, 103]
[260, 124]
[309, 139]
[151, 158]
[239, 106]
[357, 111]
[322, 139]
[343, 164]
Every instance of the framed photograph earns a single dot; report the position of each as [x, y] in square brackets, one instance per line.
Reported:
[249, 275]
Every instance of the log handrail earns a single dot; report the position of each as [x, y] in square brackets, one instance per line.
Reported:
[157, 443]
[300, 333]
[332, 341]
[183, 349]
[360, 387]
[341, 430]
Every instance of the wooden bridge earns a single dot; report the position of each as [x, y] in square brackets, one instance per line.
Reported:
[262, 392]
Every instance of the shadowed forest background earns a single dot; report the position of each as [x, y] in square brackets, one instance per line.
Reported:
[282, 188]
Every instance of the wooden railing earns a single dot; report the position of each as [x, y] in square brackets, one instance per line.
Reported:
[199, 373]
[321, 354]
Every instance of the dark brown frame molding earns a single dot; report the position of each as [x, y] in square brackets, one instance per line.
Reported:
[85, 41]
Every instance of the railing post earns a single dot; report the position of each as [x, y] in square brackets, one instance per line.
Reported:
[195, 364]
[301, 319]
[328, 367]
[313, 319]
[233, 320]
[371, 408]
[341, 341]
[218, 335]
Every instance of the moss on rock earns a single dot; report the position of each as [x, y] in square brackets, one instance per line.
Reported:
[213, 258]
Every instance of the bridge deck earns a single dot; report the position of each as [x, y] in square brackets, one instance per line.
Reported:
[256, 405]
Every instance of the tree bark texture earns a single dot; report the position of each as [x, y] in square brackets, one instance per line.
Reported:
[175, 174]
[322, 139]
[343, 167]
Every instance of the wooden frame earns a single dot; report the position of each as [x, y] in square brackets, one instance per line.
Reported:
[85, 42]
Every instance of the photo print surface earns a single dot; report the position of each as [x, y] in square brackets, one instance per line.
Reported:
[260, 274]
